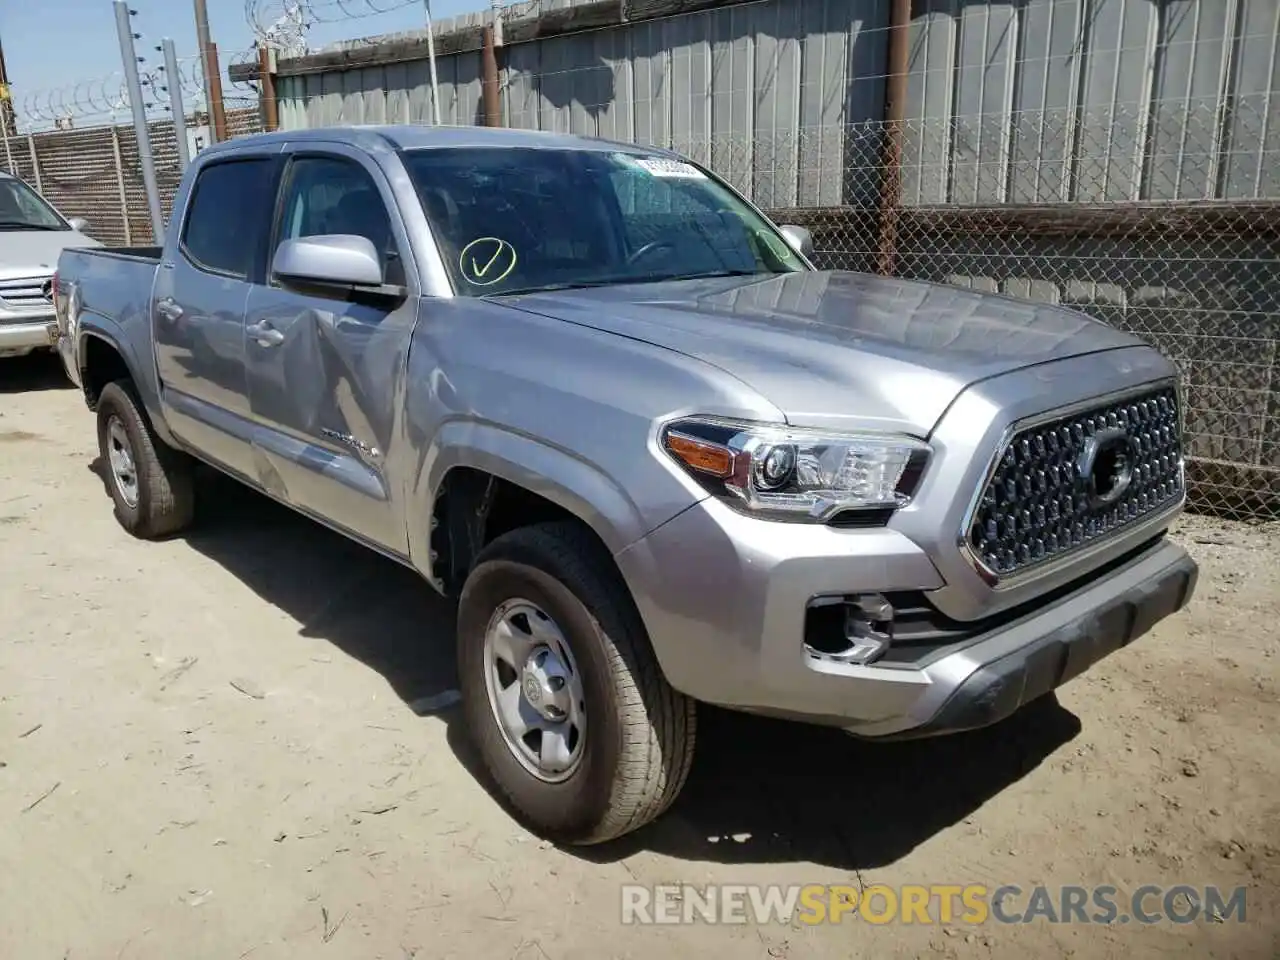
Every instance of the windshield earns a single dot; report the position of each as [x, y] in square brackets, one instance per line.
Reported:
[516, 220]
[21, 208]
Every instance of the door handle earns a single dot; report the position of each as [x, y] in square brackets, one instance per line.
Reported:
[168, 308]
[265, 334]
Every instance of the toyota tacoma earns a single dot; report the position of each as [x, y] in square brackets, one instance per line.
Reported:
[659, 459]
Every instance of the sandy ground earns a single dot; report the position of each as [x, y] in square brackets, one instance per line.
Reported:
[218, 747]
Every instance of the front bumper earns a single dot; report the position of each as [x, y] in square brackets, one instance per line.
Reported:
[982, 684]
[28, 335]
[723, 597]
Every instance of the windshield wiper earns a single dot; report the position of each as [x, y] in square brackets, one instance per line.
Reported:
[724, 273]
[551, 287]
[619, 281]
[24, 225]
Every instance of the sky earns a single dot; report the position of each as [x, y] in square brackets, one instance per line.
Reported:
[59, 43]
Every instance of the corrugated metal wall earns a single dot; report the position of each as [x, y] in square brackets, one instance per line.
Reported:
[1042, 101]
[763, 91]
[1093, 100]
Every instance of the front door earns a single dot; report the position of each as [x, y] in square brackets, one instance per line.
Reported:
[321, 369]
[198, 309]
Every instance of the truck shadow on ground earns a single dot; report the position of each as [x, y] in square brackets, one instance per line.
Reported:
[41, 370]
[760, 790]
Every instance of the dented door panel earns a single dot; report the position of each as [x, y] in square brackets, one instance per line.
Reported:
[324, 409]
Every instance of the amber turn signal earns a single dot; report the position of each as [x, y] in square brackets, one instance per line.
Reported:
[700, 455]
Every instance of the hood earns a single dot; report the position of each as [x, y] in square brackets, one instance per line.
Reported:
[34, 253]
[837, 349]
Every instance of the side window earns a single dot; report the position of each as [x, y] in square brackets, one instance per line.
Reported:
[327, 195]
[226, 217]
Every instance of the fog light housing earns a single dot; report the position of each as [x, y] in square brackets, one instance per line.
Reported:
[855, 629]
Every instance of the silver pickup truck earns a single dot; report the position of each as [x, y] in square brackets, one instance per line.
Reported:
[659, 459]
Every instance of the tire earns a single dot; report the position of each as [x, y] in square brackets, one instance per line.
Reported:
[161, 500]
[638, 745]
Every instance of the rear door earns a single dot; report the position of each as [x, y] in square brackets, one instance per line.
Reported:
[198, 307]
[321, 369]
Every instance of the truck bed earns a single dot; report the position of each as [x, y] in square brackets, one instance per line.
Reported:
[149, 254]
[114, 285]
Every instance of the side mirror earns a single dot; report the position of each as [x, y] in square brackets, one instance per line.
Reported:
[79, 224]
[801, 240]
[335, 261]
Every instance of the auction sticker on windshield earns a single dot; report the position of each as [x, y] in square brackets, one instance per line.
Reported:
[662, 167]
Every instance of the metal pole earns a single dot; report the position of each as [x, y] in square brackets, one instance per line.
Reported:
[431, 58]
[179, 109]
[202, 38]
[124, 198]
[130, 58]
[35, 163]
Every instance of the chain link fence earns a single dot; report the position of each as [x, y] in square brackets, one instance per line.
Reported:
[96, 172]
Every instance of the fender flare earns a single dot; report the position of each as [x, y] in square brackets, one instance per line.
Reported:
[574, 484]
[107, 331]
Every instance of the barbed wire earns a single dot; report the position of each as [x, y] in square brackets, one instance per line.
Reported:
[190, 79]
[99, 96]
[107, 96]
[241, 89]
[285, 23]
[281, 24]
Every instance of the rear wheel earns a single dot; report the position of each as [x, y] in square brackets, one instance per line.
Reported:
[150, 483]
[562, 693]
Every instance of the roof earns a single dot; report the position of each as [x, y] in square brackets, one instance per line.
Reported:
[413, 137]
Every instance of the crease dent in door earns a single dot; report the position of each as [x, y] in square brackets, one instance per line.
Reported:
[320, 391]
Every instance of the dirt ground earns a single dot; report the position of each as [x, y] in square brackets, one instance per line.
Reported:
[239, 744]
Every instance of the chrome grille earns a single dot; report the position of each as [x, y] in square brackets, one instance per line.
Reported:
[1037, 505]
[25, 292]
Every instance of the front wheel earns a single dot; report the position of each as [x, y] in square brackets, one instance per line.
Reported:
[561, 690]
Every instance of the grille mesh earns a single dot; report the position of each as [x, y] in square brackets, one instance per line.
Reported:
[1037, 507]
[27, 292]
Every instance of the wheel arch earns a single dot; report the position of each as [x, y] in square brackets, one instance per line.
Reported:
[103, 355]
[496, 480]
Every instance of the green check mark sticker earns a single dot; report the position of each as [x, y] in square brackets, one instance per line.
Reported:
[498, 258]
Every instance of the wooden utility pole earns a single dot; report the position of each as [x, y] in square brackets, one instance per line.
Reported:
[212, 73]
[489, 80]
[8, 119]
[216, 110]
[267, 88]
[895, 108]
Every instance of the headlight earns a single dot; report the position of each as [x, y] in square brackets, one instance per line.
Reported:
[775, 470]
